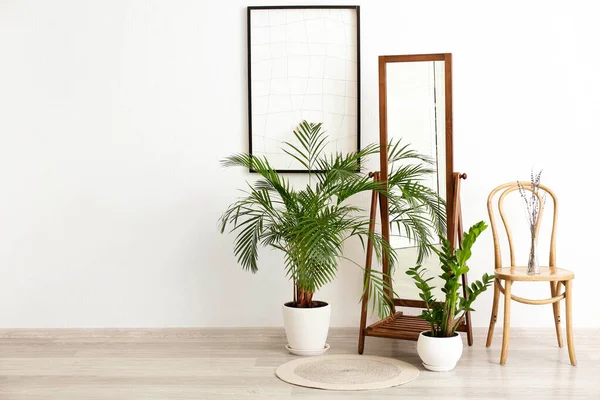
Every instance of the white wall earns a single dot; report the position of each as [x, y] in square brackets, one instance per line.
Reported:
[114, 116]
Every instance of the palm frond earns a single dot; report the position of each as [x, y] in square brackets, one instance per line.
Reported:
[397, 151]
[312, 142]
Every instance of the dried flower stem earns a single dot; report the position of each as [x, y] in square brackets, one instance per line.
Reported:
[533, 206]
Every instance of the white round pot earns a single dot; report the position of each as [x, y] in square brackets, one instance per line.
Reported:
[439, 353]
[306, 328]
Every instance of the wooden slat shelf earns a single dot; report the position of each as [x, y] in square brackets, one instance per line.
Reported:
[402, 326]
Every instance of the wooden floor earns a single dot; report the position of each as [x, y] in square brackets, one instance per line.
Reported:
[239, 364]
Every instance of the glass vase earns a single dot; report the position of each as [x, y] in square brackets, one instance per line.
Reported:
[533, 266]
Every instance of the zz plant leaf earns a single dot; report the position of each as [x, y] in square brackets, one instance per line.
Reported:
[445, 316]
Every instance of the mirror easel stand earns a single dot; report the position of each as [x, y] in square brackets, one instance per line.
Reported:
[398, 325]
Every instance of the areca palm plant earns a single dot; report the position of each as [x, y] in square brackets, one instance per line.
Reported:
[310, 225]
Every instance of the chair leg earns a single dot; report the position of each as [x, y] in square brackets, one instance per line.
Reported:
[554, 290]
[568, 311]
[494, 315]
[506, 327]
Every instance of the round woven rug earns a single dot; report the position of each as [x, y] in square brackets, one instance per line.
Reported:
[347, 372]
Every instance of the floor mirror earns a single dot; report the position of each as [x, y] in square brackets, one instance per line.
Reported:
[415, 106]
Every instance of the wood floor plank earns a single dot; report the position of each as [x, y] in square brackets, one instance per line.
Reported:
[235, 364]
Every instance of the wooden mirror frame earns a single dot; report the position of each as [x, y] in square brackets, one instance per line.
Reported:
[398, 325]
[383, 134]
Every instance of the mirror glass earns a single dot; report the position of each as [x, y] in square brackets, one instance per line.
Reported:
[416, 112]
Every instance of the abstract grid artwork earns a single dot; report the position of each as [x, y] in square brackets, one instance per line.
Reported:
[303, 64]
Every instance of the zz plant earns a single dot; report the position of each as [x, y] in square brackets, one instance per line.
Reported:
[444, 317]
[310, 225]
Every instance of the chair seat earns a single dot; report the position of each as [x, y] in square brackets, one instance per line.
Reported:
[546, 274]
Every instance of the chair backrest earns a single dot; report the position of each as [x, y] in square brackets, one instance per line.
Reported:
[506, 189]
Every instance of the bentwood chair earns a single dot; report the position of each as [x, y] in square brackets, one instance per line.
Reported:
[555, 276]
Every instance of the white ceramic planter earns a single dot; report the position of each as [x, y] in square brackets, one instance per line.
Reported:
[439, 354]
[306, 329]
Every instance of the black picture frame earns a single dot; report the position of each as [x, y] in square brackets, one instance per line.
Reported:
[250, 9]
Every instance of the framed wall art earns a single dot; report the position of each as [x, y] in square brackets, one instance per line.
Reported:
[303, 64]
